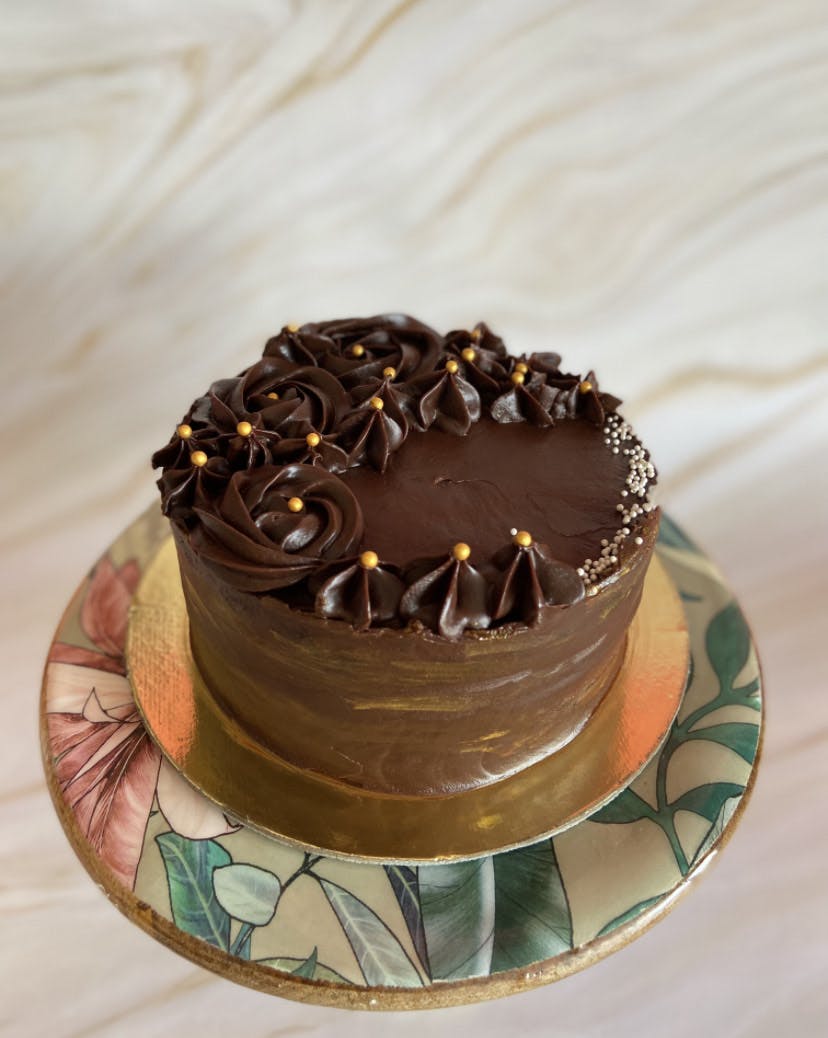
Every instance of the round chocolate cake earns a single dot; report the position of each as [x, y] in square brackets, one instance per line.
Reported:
[409, 560]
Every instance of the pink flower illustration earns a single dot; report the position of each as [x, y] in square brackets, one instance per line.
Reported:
[107, 767]
[103, 617]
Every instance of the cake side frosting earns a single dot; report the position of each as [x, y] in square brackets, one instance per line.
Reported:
[401, 710]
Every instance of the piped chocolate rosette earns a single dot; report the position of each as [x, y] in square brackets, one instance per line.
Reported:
[332, 474]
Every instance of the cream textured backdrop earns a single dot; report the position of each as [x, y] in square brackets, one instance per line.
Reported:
[642, 186]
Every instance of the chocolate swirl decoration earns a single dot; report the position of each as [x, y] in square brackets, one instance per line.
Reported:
[481, 338]
[359, 348]
[189, 436]
[551, 395]
[291, 401]
[222, 421]
[446, 400]
[593, 404]
[524, 401]
[532, 580]
[274, 526]
[371, 433]
[313, 449]
[196, 482]
[484, 357]
[358, 590]
[395, 402]
[298, 346]
[450, 597]
[549, 364]
[276, 406]
[376, 427]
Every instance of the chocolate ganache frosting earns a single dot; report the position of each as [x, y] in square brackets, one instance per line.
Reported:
[409, 559]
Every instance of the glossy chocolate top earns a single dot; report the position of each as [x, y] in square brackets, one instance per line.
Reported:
[376, 472]
[560, 484]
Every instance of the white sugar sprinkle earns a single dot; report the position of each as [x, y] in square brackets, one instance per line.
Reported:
[640, 472]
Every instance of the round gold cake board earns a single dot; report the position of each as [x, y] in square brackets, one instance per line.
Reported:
[304, 809]
[325, 929]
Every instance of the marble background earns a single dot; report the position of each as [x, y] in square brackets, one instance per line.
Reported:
[641, 186]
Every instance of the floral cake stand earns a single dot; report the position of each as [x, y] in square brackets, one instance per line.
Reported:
[389, 936]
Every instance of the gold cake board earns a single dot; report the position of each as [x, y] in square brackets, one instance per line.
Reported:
[311, 812]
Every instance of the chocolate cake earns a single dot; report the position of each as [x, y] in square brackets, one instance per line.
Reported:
[409, 560]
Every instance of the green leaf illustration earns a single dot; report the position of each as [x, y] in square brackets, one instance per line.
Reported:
[673, 536]
[631, 913]
[458, 908]
[297, 966]
[626, 807]
[308, 967]
[532, 918]
[403, 880]
[725, 814]
[247, 892]
[736, 735]
[380, 955]
[707, 800]
[728, 646]
[241, 946]
[190, 865]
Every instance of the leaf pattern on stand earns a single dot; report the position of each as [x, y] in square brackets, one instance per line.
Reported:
[190, 865]
[629, 914]
[494, 913]
[302, 968]
[727, 645]
[707, 800]
[381, 957]
[246, 892]
[532, 917]
[404, 883]
[628, 806]
[457, 901]
[725, 814]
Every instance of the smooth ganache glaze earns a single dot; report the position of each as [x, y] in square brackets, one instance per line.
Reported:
[409, 560]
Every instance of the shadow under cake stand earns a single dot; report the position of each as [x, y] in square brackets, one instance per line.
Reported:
[346, 906]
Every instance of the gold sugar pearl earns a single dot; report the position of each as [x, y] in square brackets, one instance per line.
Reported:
[523, 539]
[272, 396]
[358, 350]
[461, 551]
[518, 378]
[184, 431]
[520, 366]
[468, 354]
[389, 372]
[199, 459]
[585, 387]
[292, 328]
[313, 439]
[369, 560]
[377, 403]
[452, 367]
[476, 334]
[244, 428]
[295, 504]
